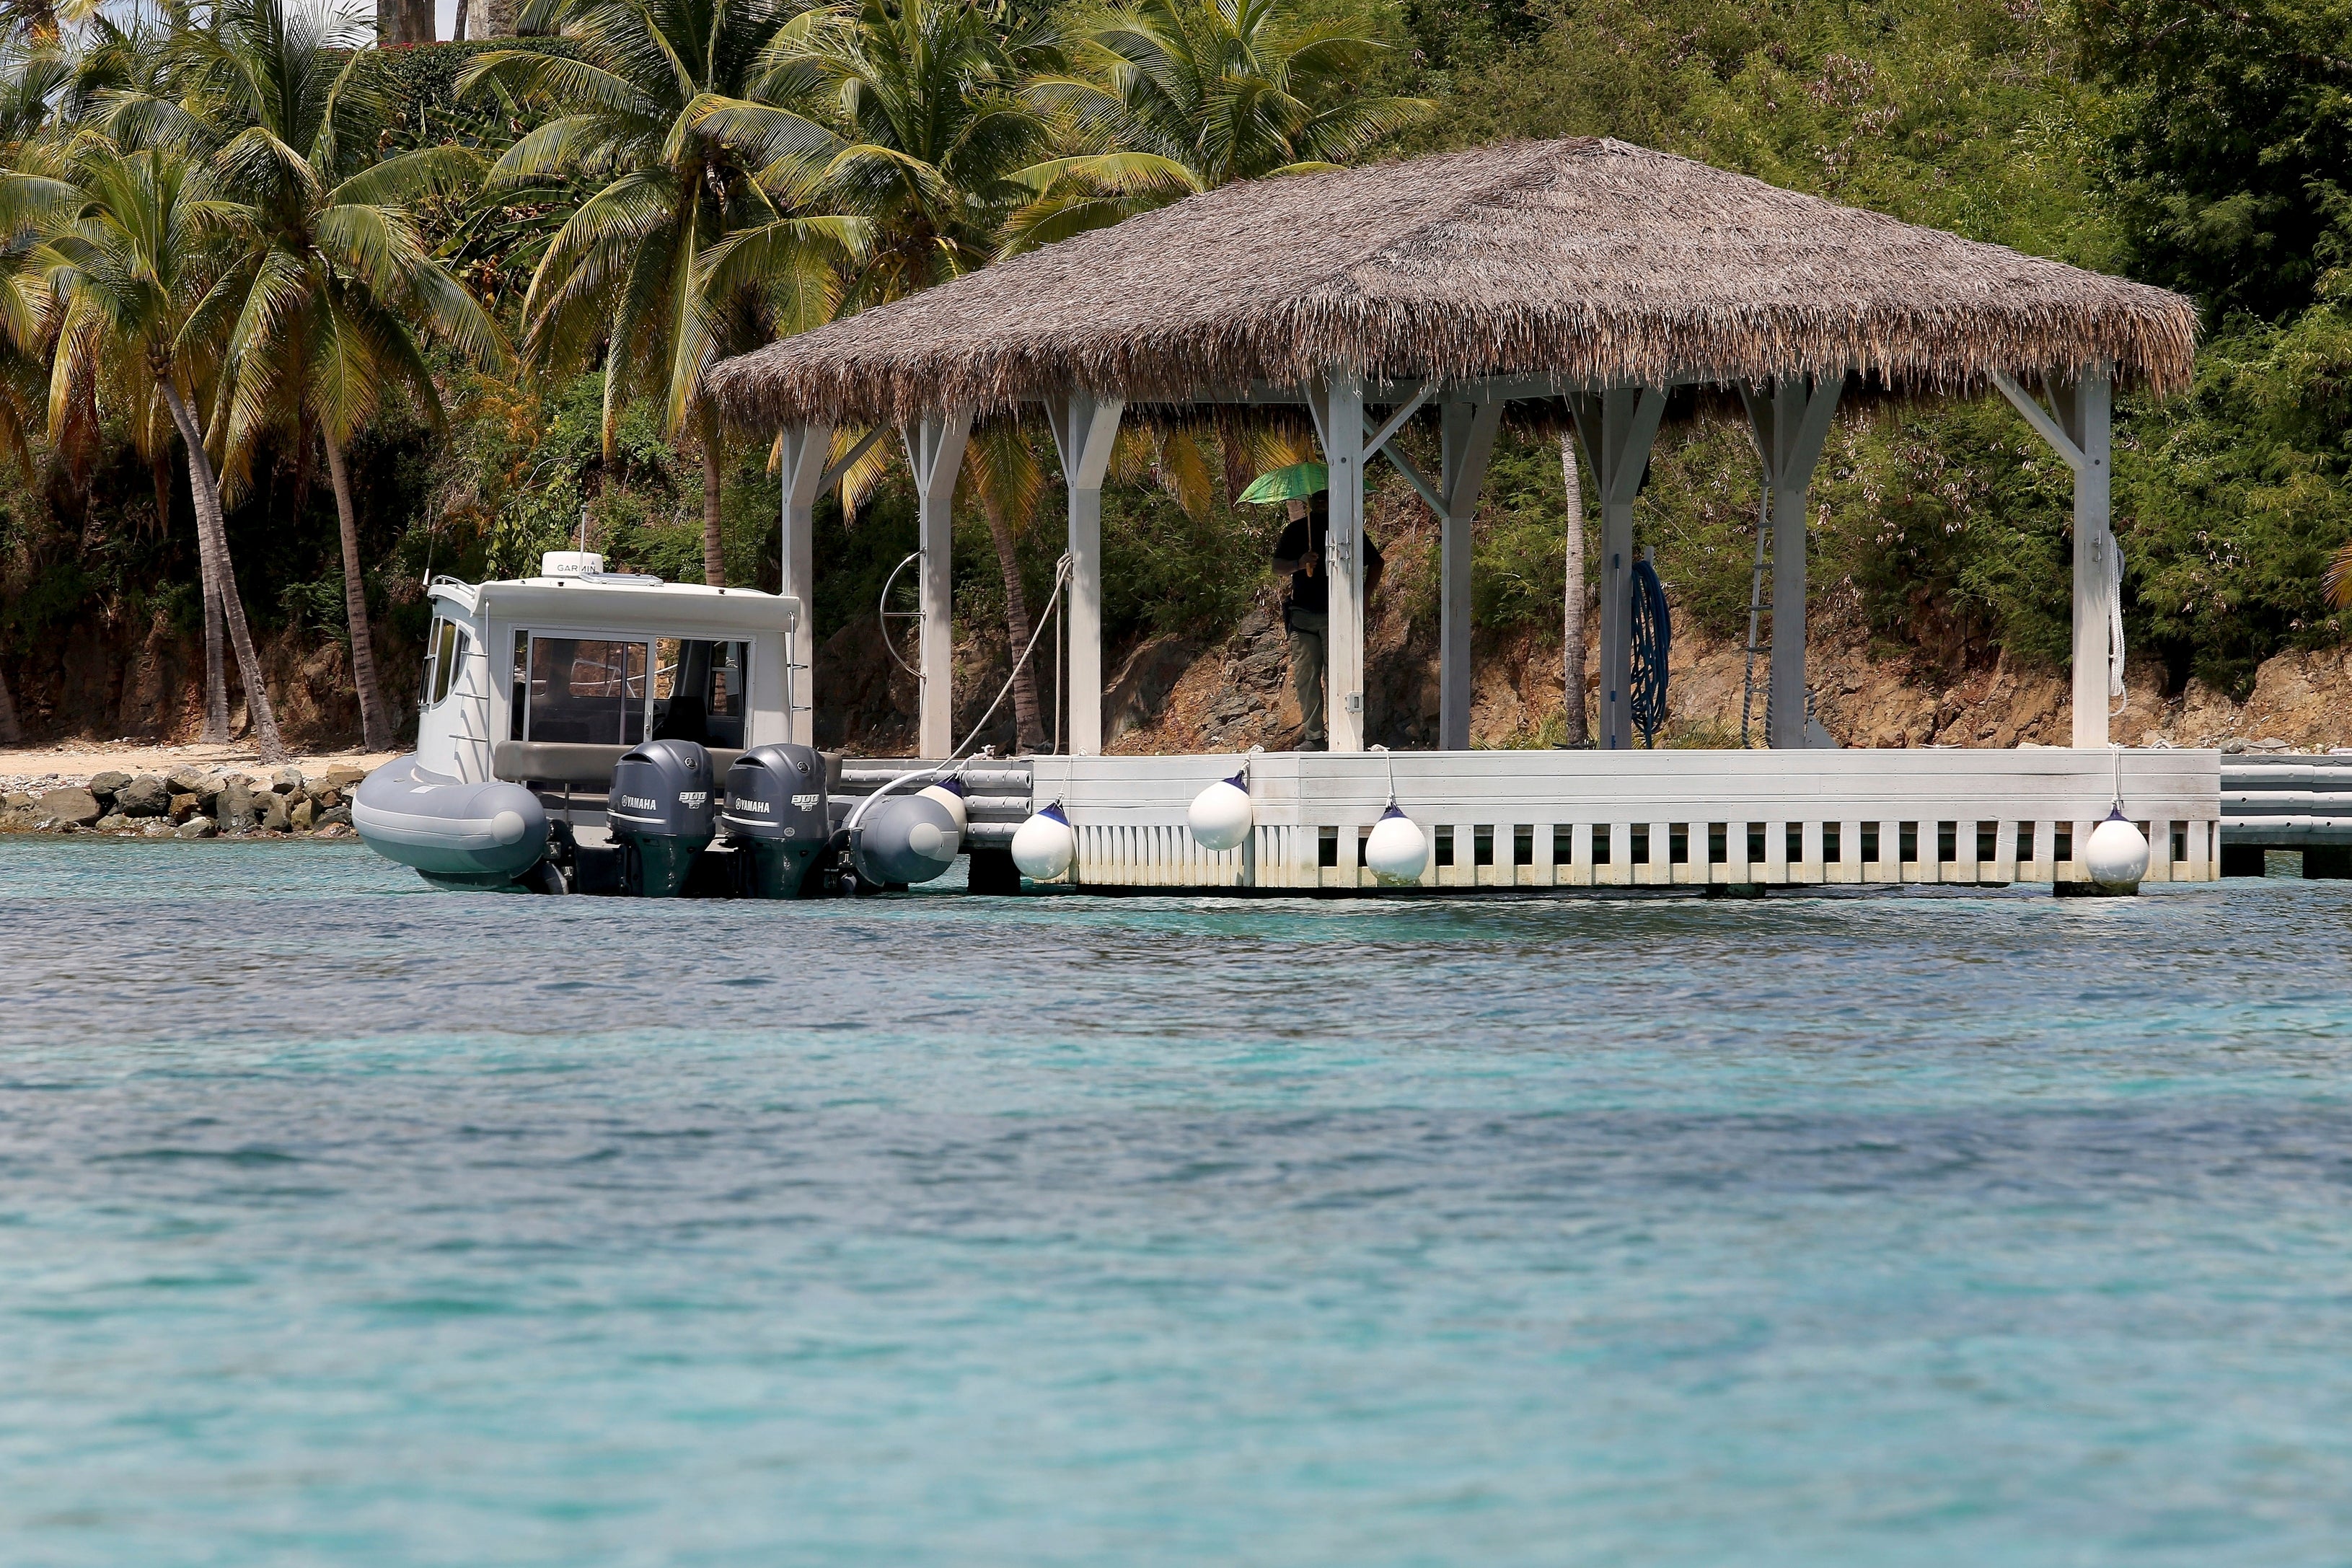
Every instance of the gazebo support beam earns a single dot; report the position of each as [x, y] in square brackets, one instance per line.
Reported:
[803, 452]
[1467, 436]
[1616, 428]
[2080, 433]
[935, 446]
[1337, 403]
[1790, 418]
[1084, 429]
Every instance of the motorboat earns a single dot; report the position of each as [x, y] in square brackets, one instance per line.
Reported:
[579, 731]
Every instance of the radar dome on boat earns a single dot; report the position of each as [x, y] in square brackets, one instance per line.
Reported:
[1045, 846]
[1396, 850]
[1220, 816]
[571, 564]
[2117, 853]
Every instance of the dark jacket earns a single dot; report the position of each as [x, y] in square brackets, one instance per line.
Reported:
[1313, 593]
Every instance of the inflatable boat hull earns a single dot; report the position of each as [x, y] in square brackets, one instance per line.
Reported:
[487, 835]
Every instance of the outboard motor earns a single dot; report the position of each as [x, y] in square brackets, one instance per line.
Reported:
[774, 819]
[661, 813]
[904, 838]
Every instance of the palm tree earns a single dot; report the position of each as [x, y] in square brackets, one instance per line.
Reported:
[908, 116]
[137, 246]
[643, 267]
[1177, 95]
[1173, 97]
[23, 350]
[906, 113]
[330, 284]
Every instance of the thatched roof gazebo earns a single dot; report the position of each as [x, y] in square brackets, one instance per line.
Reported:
[1589, 273]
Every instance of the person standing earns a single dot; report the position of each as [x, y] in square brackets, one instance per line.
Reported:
[1306, 609]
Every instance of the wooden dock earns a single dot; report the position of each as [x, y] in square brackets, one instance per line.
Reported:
[1642, 819]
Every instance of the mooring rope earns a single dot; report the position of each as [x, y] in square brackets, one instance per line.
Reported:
[1653, 638]
[955, 758]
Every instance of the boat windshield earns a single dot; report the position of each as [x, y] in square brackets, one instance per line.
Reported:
[619, 691]
[589, 689]
[700, 692]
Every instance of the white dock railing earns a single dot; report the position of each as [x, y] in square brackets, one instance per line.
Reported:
[1602, 819]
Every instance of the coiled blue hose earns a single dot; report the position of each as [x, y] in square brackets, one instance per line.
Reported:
[1654, 635]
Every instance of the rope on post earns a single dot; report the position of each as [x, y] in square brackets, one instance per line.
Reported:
[1653, 630]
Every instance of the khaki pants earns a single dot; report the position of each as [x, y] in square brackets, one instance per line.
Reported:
[1306, 629]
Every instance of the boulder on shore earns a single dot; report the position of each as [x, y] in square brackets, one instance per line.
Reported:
[287, 781]
[75, 805]
[345, 777]
[184, 806]
[108, 782]
[187, 778]
[195, 827]
[148, 794]
[333, 815]
[238, 804]
[274, 814]
[299, 816]
[113, 822]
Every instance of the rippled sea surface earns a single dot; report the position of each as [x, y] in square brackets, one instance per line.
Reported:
[345, 1222]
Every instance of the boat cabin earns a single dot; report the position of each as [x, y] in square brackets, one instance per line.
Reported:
[548, 681]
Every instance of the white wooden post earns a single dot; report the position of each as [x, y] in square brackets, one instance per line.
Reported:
[2094, 553]
[935, 450]
[2079, 434]
[1791, 420]
[1469, 440]
[1616, 428]
[804, 451]
[1084, 429]
[1340, 411]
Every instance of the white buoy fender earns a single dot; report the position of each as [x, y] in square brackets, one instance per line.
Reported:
[1045, 846]
[949, 793]
[2117, 853]
[1398, 850]
[1220, 816]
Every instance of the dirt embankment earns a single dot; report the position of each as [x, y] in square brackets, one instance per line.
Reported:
[111, 680]
[1174, 695]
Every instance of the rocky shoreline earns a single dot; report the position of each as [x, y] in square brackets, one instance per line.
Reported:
[187, 801]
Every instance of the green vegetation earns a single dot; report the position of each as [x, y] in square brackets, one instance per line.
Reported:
[656, 187]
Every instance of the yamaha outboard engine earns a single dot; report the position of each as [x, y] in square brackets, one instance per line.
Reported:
[661, 813]
[774, 819]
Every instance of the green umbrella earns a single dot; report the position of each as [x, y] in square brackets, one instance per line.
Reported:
[1294, 483]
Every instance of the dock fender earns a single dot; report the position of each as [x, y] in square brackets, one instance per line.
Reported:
[905, 839]
[1220, 815]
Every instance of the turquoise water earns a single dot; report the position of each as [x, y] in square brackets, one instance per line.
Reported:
[343, 1222]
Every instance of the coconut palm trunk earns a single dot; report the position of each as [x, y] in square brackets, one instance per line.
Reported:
[215, 730]
[11, 732]
[209, 527]
[375, 724]
[1028, 731]
[714, 555]
[1572, 625]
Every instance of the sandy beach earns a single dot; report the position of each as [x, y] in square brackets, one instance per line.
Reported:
[77, 762]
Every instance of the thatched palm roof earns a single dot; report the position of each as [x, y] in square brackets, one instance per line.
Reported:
[1600, 261]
